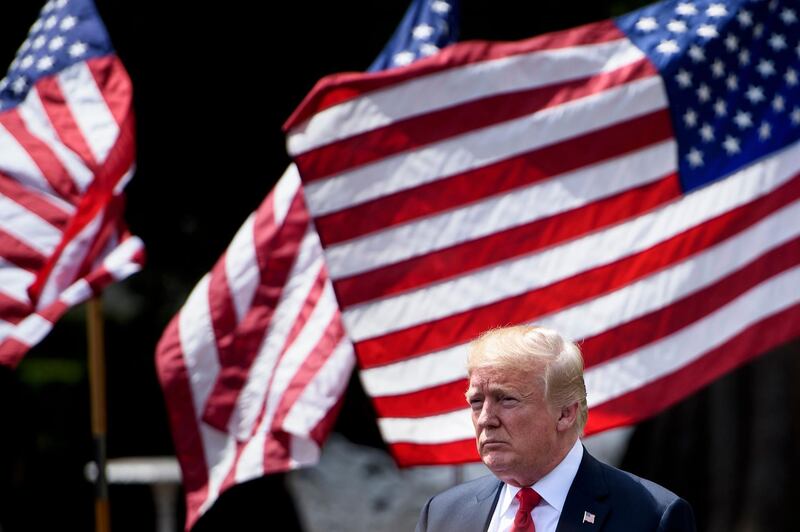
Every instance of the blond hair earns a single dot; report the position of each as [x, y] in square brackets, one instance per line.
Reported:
[526, 347]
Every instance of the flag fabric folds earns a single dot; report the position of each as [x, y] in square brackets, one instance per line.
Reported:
[632, 183]
[256, 362]
[66, 152]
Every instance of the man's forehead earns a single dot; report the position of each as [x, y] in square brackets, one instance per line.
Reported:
[490, 379]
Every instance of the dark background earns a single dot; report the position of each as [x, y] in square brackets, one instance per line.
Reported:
[213, 86]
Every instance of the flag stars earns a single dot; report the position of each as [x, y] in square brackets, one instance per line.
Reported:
[422, 31]
[764, 131]
[731, 145]
[441, 7]
[755, 94]
[686, 9]
[703, 93]
[36, 26]
[61, 3]
[79, 48]
[706, 132]
[428, 49]
[732, 82]
[697, 54]
[731, 43]
[716, 10]
[668, 47]
[695, 158]
[745, 18]
[788, 16]
[707, 31]
[690, 118]
[791, 77]
[26, 62]
[758, 30]
[684, 79]
[38, 42]
[743, 120]
[646, 24]
[50, 23]
[718, 68]
[400, 59]
[676, 26]
[744, 57]
[766, 68]
[778, 103]
[56, 43]
[795, 116]
[45, 63]
[720, 107]
[68, 23]
[19, 85]
[777, 42]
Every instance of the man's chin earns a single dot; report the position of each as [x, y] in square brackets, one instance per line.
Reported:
[496, 461]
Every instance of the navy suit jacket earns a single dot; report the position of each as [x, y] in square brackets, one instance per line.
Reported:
[619, 501]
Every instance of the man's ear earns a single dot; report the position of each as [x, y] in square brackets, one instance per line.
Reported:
[568, 417]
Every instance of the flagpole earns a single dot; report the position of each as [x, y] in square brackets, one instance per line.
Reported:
[97, 391]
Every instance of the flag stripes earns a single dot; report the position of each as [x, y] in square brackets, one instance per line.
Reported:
[629, 302]
[450, 201]
[67, 151]
[419, 130]
[42, 156]
[256, 360]
[483, 147]
[448, 250]
[239, 341]
[461, 189]
[255, 365]
[37, 120]
[341, 88]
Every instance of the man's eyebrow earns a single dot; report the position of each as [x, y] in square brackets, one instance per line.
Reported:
[472, 392]
[494, 389]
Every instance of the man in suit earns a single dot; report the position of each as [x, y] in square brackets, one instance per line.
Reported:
[528, 402]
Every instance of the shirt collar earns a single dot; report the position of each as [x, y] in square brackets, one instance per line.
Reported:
[554, 486]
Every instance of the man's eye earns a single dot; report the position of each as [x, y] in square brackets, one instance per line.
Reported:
[476, 404]
[509, 400]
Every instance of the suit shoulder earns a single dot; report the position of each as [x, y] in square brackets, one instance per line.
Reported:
[461, 507]
[638, 488]
[484, 486]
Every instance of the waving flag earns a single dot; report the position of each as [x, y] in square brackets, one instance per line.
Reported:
[632, 183]
[256, 362]
[66, 152]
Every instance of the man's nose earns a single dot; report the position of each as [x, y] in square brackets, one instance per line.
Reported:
[488, 415]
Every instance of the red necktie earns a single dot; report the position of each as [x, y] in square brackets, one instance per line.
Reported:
[528, 499]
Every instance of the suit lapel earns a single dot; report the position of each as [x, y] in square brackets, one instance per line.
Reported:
[485, 501]
[584, 509]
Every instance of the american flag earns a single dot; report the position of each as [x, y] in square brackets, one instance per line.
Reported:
[632, 183]
[66, 152]
[256, 362]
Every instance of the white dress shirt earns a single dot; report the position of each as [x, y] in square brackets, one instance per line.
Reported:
[553, 488]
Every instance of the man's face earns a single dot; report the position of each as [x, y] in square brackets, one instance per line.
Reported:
[515, 427]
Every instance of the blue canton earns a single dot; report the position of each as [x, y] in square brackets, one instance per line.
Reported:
[66, 32]
[731, 72]
[427, 27]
